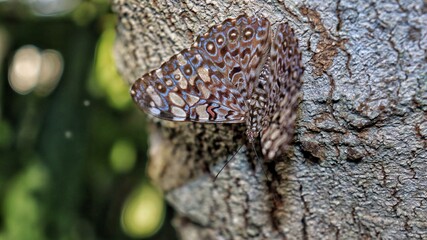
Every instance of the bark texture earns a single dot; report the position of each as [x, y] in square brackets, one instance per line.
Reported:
[358, 165]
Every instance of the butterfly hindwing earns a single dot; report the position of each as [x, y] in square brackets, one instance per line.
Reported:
[284, 92]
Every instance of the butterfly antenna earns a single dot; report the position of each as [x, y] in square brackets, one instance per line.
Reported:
[226, 163]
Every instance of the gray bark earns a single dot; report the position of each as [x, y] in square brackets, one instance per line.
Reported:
[358, 164]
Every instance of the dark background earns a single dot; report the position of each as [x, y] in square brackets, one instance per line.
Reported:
[72, 155]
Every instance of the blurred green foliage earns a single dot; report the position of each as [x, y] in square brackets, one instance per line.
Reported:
[72, 163]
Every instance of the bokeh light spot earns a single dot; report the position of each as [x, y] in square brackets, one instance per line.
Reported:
[25, 69]
[107, 80]
[50, 72]
[68, 134]
[52, 7]
[123, 156]
[32, 69]
[86, 103]
[143, 212]
[85, 13]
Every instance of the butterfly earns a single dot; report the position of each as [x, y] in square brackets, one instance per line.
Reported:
[237, 72]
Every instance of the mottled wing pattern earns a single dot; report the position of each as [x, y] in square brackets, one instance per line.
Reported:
[188, 88]
[258, 104]
[239, 48]
[209, 81]
[283, 87]
[236, 72]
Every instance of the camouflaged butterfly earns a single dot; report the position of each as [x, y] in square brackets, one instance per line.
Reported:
[237, 72]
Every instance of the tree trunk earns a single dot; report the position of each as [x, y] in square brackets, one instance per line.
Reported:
[357, 167]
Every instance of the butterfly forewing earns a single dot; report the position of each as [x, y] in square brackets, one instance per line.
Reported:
[255, 45]
[238, 48]
[210, 81]
[186, 89]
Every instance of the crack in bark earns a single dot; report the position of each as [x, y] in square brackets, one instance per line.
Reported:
[338, 11]
[304, 230]
[327, 47]
[277, 201]
[329, 100]
[294, 16]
